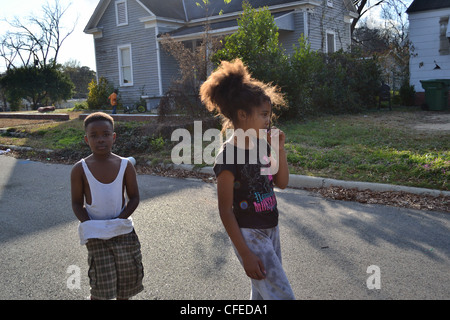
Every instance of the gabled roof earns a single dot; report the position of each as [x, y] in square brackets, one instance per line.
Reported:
[221, 26]
[425, 5]
[160, 8]
[192, 11]
[168, 8]
[217, 7]
[188, 10]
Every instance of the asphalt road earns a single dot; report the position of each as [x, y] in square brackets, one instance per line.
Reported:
[331, 249]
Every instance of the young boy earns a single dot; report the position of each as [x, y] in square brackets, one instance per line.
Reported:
[98, 183]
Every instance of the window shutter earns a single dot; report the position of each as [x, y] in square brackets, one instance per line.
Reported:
[121, 8]
[444, 45]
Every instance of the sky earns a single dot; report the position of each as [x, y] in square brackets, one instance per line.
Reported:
[373, 17]
[78, 46]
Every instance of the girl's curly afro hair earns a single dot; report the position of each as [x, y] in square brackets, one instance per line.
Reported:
[231, 88]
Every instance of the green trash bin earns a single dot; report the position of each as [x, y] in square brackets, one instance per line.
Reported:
[436, 93]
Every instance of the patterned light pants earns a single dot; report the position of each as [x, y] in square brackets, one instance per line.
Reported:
[265, 243]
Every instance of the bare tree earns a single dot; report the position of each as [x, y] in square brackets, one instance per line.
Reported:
[37, 41]
[388, 41]
[396, 20]
[362, 6]
[396, 28]
[194, 62]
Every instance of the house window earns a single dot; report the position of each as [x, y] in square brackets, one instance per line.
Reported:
[331, 43]
[125, 66]
[444, 45]
[121, 13]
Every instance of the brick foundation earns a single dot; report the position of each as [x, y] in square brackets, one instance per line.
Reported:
[126, 117]
[35, 116]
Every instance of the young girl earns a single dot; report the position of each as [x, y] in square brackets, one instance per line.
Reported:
[247, 203]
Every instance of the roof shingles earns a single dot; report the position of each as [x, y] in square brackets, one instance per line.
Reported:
[425, 5]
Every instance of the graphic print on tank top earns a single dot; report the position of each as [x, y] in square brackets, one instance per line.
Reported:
[254, 201]
[260, 188]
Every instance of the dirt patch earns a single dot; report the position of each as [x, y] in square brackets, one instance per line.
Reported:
[419, 120]
[11, 123]
[16, 122]
[434, 122]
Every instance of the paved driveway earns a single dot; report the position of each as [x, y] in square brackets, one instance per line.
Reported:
[331, 249]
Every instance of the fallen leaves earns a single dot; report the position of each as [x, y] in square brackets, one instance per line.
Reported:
[392, 198]
[174, 173]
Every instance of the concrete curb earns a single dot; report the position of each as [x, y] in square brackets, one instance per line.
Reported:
[18, 148]
[301, 182]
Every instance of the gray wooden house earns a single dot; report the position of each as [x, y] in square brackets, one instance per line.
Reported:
[127, 34]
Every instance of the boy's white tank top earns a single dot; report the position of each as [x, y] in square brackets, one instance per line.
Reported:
[106, 197]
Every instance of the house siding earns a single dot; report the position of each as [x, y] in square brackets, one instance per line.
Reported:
[154, 69]
[318, 22]
[290, 38]
[169, 66]
[169, 70]
[324, 19]
[143, 49]
[424, 36]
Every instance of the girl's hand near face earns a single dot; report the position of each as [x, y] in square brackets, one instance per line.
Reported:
[279, 138]
[276, 138]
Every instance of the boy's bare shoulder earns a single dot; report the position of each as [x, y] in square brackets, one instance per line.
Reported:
[77, 168]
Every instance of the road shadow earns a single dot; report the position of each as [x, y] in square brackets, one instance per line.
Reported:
[35, 196]
[331, 244]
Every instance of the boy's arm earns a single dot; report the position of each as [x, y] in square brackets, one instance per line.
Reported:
[281, 178]
[253, 266]
[77, 193]
[131, 186]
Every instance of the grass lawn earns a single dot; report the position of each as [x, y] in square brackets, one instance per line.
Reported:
[405, 146]
[375, 147]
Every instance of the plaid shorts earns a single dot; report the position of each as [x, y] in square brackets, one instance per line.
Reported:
[115, 267]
